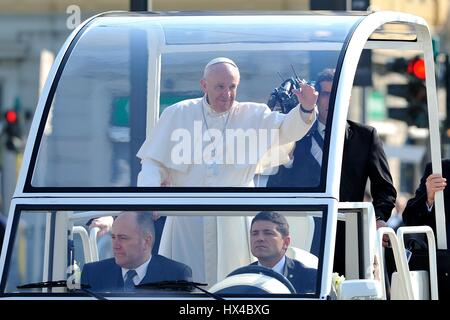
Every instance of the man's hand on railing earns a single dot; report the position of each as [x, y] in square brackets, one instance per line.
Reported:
[381, 223]
[103, 223]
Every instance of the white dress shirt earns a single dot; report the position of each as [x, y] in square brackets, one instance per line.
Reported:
[279, 267]
[141, 271]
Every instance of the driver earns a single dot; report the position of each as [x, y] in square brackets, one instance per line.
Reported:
[269, 238]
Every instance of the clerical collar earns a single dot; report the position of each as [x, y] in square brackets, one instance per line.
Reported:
[213, 113]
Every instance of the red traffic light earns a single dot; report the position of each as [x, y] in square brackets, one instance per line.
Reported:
[11, 116]
[416, 68]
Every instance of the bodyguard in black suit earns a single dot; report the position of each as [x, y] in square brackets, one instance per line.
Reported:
[363, 158]
[269, 237]
[420, 209]
[132, 236]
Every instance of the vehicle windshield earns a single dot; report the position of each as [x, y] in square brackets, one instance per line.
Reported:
[53, 245]
[120, 74]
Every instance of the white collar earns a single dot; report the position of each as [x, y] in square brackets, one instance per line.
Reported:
[278, 267]
[209, 111]
[320, 127]
[141, 271]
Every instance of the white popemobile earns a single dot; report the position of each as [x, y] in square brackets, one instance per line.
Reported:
[107, 88]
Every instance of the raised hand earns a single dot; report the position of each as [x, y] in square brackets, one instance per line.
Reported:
[306, 95]
[104, 223]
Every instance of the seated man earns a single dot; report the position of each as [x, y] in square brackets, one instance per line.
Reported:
[133, 235]
[269, 238]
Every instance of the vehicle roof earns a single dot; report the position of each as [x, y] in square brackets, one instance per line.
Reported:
[356, 27]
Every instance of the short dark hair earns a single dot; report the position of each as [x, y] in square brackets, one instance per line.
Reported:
[274, 217]
[324, 75]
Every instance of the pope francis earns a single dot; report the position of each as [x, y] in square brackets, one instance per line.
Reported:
[216, 141]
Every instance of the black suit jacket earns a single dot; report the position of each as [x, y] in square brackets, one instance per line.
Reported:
[303, 279]
[416, 211]
[106, 275]
[363, 159]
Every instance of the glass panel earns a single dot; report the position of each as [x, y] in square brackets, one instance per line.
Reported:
[27, 259]
[86, 138]
[270, 29]
[259, 84]
[123, 72]
[209, 247]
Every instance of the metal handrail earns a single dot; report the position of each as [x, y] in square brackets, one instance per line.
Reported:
[93, 243]
[431, 252]
[400, 260]
[85, 241]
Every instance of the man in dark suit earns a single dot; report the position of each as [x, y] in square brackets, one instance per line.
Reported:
[133, 235]
[420, 209]
[269, 238]
[363, 158]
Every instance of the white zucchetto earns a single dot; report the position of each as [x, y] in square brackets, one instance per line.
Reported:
[220, 60]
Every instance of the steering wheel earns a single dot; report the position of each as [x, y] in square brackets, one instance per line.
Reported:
[265, 271]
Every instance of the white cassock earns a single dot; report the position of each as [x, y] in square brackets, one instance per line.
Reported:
[184, 150]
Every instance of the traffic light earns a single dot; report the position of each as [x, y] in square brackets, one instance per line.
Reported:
[416, 68]
[13, 131]
[413, 91]
[413, 68]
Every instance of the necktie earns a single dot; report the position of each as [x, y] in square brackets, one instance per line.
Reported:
[128, 285]
[317, 147]
[317, 136]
